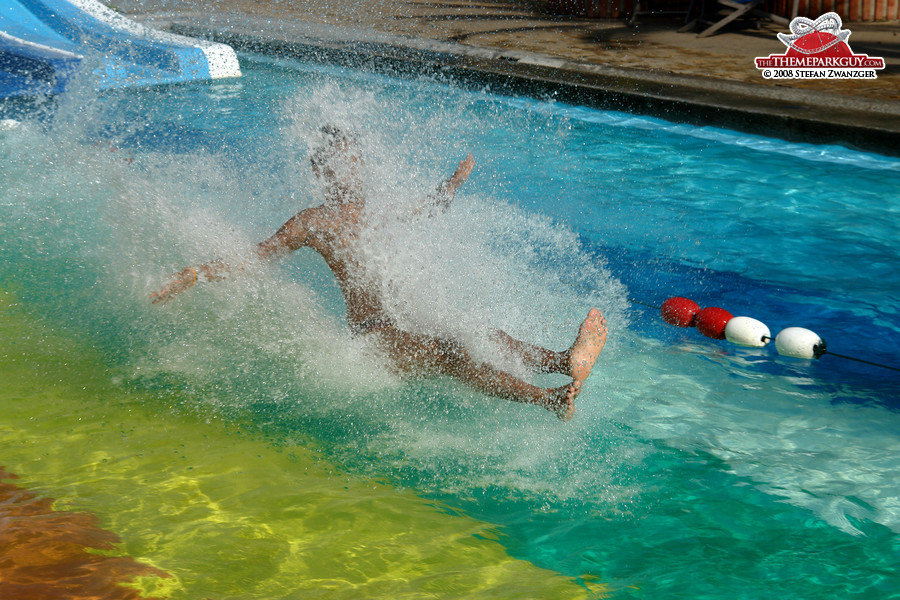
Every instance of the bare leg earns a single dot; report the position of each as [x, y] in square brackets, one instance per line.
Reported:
[426, 355]
[588, 345]
[536, 358]
[575, 362]
[489, 380]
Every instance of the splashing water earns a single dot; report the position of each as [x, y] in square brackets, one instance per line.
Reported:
[686, 461]
[110, 218]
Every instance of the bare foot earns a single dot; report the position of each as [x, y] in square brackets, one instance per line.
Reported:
[588, 345]
[562, 400]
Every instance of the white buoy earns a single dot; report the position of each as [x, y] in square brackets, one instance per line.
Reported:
[798, 342]
[747, 332]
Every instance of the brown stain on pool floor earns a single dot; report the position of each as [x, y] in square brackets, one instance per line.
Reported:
[47, 554]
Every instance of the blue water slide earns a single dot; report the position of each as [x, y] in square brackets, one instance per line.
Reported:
[43, 43]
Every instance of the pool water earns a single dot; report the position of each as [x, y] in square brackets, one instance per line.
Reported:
[241, 440]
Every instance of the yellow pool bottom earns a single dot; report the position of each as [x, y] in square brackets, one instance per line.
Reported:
[223, 511]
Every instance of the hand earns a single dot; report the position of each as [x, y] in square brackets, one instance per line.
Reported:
[177, 283]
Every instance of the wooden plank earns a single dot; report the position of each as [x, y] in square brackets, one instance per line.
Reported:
[868, 10]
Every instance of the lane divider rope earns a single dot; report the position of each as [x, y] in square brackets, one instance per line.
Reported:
[718, 323]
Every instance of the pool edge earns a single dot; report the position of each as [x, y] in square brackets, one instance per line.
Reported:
[790, 114]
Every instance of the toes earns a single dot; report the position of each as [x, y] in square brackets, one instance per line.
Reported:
[573, 390]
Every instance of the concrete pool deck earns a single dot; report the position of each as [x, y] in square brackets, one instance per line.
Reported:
[517, 46]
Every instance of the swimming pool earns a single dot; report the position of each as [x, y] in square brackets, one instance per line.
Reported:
[241, 440]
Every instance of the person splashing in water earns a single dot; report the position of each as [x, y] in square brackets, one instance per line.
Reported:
[332, 229]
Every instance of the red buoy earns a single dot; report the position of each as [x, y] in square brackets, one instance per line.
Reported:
[679, 311]
[711, 322]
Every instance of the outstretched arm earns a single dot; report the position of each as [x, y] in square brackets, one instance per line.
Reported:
[447, 189]
[292, 235]
[187, 278]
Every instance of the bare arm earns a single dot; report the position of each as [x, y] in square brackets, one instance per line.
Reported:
[447, 189]
[185, 279]
[292, 235]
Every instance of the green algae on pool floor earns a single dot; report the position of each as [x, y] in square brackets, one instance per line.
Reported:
[223, 511]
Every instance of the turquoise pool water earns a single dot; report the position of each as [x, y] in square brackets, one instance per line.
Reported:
[693, 469]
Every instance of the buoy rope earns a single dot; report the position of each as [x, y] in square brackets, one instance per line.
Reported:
[644, 304]
[823, 351]
[868, 362]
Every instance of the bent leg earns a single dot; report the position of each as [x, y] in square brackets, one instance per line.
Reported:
[494, 382]
[431, 356]
[576, 362]
[536, 358]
